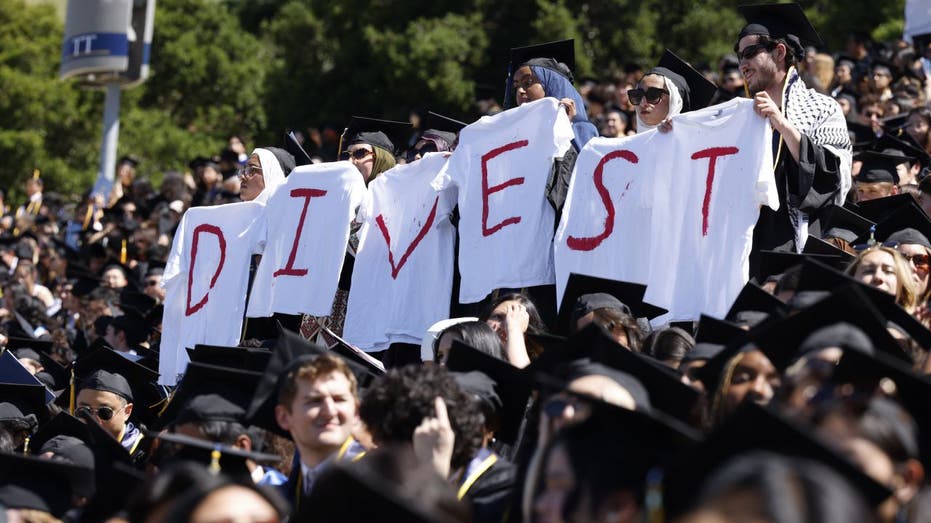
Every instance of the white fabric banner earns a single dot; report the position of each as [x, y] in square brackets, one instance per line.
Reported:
[678, 208]
[308, 223]
[403, 274]
[205, 280]
[500, 170]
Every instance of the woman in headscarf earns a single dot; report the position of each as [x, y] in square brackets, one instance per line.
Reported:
[265, 170]
[669, 89]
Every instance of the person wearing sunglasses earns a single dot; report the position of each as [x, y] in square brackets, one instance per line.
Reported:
[265, 170]
[671, 88]
[370, 144]
[106, 397]
[916, 248]
[811, 144]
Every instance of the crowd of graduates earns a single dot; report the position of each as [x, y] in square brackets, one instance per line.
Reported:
[806, 402]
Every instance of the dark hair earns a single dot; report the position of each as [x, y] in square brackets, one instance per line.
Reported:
[476, 334]
[536, 325]
[670, 343]
[611, 320]
[186, 503]
[771, 43]
[224, 432]
[789, 489]
[164, 488]
[395, 404]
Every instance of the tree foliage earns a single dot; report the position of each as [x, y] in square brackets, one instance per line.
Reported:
[258, 67]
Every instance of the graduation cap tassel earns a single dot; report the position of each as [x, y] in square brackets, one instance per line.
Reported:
[654, 496]
[872, 241]
[26, 446]
[71, 394]
[215, 461]
[87, 217]
[35, 174]
[123, 252]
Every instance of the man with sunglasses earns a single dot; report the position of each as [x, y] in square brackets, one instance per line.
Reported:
[107, 398]
[811, 146]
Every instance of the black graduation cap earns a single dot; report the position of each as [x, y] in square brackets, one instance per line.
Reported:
[141, 379]
[55, 374]
[714, 330]
[778, 262]
[46, 485]
[630, 294]
[385, 134]
[697, 91]
[285, 159]
[62, 424]
[753, 428]
[210, 393]
[907, 224]
[511, 385]
[290, 351]
[139, 302]
[818, 276]
[131, 159]
[337, 493]
[786, 21]
[84, 285]
[666, 390]
[217, 457]
[838, 221]
[297, 151]
[861, 136]
[879, 209]
[820, 247]
[561, 51]
[892, 123]
[246, 358]
[442, 123]
[26, 399]
[899, 147]
[353, 354]
[753, 298]
[879, 167]
[198, 161]
[12, 372]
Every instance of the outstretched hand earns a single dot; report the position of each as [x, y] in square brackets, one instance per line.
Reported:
[434, 439]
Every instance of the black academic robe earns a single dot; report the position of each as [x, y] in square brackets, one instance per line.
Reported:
[492, 493]
[809, 185]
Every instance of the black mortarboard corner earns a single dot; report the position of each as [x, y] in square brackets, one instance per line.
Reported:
[817, 246]
[285, 159]
[45, 485]
[698, 90]
[903, 147]
[210, 393]
[246, 358]
[131, 159]
[786, 21]
[438, 122]
[837, 221]
[714, 330]
[141, 379]
[353, 354]
[297, 151]
[908, 224]
[778, 262]
[879, 209]
[13, 372]
[27, 402]
[57, 372]
[666, 390]
[757, 428]
[753, 298]
[861, 136]
[510, 383]
[558, 52]
[630, 294]
[217, 457]
[290, 351]
[62, 424]
[879, 167]
[385, 134]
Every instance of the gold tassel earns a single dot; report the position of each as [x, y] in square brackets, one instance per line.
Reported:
[71, 394]
[214, 462]
[87, 216]
[123, 252]
[35, 174]
[26, 446]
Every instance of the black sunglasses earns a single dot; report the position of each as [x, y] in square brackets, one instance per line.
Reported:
[652, 95]
[428, 147]
[358, 154]
[104, 413]
[752, 50]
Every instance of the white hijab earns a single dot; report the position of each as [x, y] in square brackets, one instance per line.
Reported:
[675, 106]
[271, 173]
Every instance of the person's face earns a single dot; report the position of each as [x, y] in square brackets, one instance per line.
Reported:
[210, 176]
[754, 379]
[32, 187]
[443, 346]
[497, 320]
[759, 71]
[112, 337]
[114, 278]
[152, 288]
[614, 125]
[362, 155]
[918, 128]
[95, 399]
[881, 78]
[843, 74]
[557, 482]
[873, 191]
[689, 372]
[234, 504]
[872, 113]
[877, 268]
[733, 82]
[845, 106]
[917, 257]
[251, 181]
[95, 309]
[650, 113]
[322, 414]
[527, 87]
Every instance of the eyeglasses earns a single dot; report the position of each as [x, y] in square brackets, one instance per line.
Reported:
[249, 171]
[920, 261]
[104, 413]
[653, 95]
[358, 154]
[752, 50]
[871, 114]
[525, 82]
[428, 147]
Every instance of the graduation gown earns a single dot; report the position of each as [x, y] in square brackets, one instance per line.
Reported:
[491, 492]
